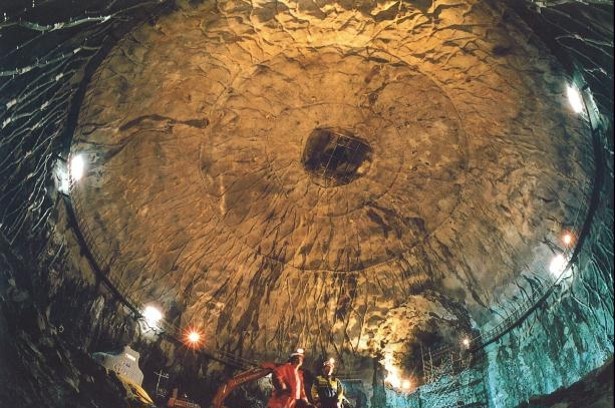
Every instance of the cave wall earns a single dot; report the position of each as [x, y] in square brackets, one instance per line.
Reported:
[571, 334]
[54, 311]
[38, 367]
[566, 338]
[465, 389]
[46, 290]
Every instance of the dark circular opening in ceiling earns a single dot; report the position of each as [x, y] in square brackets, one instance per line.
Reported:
[335, 157]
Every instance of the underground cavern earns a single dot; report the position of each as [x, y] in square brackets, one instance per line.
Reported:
[418, 192]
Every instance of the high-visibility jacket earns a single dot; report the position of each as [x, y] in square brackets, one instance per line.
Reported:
[328, 391]
[288, 388]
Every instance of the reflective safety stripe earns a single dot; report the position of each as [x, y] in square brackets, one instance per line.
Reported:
[326, 388]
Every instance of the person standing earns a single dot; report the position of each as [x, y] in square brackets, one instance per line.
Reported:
[327, 391]
[288, 383]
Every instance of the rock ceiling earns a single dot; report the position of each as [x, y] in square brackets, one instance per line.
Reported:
[348, 176]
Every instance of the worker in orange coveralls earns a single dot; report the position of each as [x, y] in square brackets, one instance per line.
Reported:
[289, 391]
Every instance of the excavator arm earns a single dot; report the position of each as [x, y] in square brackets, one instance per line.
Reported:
[250, 375]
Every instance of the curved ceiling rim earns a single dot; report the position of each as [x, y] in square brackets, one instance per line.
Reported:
[350, 271]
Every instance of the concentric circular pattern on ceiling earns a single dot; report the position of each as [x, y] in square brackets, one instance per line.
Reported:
[223, 182]
[252, 159]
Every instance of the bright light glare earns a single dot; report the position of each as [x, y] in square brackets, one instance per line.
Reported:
[194, 337]
[574, 97]
[152, 316]
[466, 342]
[62, 177]
[77, 167]
[392, 372]
[558, 264]
[567, 239]
[393, 379]
[64, 183]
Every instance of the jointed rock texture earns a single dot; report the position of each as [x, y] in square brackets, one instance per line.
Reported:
[305, 175]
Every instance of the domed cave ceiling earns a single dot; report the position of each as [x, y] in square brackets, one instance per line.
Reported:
[351, 177]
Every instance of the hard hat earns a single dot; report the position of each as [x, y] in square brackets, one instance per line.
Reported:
[329, 363]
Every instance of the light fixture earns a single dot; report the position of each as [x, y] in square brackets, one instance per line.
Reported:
[77, 167]
[558, 264]
[193, 338]
[574, 97]
[406, 384]
[152, 316]
[567, 238]
[466, 342]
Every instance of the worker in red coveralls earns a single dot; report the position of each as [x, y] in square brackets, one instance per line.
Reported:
[289, 391]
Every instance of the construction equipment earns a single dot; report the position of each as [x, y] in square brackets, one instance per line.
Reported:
[249, 375]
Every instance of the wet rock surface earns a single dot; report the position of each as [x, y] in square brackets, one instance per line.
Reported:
[38, 368]
[424, 263]
[198, 193]
[594, 391]
[197, 130]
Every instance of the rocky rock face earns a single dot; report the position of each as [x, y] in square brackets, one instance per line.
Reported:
[332, 176]
[38, 367]
[366, 179]
[570, 335]
[594, 391]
